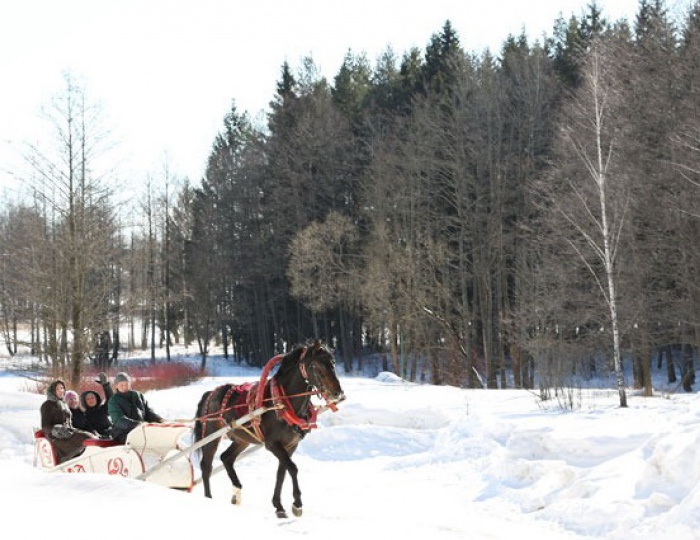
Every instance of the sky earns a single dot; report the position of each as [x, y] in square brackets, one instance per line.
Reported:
[397, 460]
[166, 72]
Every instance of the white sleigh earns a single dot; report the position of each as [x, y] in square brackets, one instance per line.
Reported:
[153, 452]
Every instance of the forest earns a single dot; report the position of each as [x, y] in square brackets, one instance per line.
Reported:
[522, 218]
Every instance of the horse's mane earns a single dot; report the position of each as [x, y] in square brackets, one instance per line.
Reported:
[291, 359]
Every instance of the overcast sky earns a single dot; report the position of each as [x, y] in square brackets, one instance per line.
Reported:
[167, 71]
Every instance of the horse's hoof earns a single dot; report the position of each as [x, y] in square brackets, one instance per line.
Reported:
[296, 510]
[281, 514]
[237, 496]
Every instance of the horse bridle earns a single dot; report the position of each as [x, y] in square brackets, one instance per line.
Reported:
[307, 369]
[306, 366]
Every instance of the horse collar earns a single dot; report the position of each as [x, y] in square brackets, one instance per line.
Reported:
[287, 413]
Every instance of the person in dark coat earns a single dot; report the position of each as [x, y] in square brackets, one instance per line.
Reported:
[95, 409]
[102, 347]
[128, 408]
[57, 426]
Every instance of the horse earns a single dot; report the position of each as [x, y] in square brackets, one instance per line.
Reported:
[288, 416]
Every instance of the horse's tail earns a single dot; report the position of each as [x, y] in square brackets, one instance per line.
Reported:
[201, 411]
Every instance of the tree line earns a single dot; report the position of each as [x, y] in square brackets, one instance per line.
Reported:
[521, 219]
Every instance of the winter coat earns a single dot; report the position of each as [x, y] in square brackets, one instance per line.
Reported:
[57, 426]
[96, 419]
[78, 419]
[127, 410]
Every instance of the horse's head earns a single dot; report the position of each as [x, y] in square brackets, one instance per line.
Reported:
[318, 368]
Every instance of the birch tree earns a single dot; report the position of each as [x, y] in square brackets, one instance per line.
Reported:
[591, 195]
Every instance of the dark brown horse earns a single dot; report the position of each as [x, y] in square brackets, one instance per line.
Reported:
[289, 415]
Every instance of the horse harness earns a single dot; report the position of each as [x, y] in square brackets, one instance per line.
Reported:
[252, 396]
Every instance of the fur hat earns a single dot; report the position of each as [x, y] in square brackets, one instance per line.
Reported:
[121, 377]
[69, 395]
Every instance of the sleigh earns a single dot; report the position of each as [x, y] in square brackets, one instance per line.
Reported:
[147, 446]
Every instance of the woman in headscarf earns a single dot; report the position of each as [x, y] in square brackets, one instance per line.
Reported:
[57, 426]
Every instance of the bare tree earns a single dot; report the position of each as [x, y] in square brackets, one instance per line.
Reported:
[16, 255]
[80, 221]
[592, 200]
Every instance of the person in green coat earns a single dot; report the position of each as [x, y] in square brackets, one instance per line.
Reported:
[128, 408]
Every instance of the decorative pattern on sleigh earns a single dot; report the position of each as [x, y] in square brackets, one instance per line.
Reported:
[147, 447]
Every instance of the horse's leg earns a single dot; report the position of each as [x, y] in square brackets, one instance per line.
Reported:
[285, 465]
[277, 495]
[228, 457]
[205, 464]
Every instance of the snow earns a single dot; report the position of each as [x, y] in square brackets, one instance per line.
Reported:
[396, 460]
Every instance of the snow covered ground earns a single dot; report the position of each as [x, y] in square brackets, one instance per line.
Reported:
[397, 460]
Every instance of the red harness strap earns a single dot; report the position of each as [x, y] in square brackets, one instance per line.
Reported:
[241, 391]
[256, 395]
[252, 396]
[219, 418]
[272, 362]
[279, 399]
[252, 399]
[286, 412]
